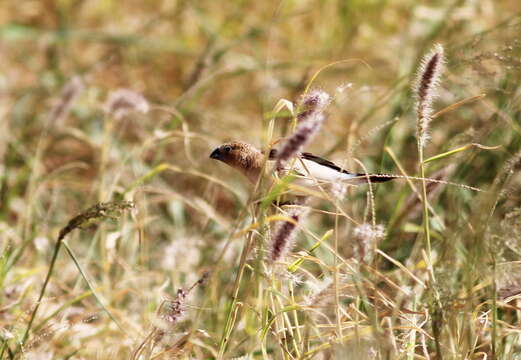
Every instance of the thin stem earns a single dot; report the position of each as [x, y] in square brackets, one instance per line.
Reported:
[335, 280]
[42, 291]
[91, 287]
[295, 316]
[426, 228]
[287, 327]
[494, 307]
[437, 302]
[230, 320]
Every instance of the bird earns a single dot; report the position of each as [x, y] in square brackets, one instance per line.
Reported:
[309, 170]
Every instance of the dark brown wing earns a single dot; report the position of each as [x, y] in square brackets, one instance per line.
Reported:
[375, 178]
[323, 162]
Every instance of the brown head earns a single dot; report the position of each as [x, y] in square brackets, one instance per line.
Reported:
[240, 156]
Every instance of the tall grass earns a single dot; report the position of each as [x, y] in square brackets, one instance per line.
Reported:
[111, 102]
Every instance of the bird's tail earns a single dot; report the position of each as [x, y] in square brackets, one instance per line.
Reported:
[373, 178]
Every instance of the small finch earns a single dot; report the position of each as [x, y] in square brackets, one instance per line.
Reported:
[308, 168]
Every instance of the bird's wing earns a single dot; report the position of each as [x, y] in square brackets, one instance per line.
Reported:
[321, 170]
[311, 169]
[323, 162]
[314, 158]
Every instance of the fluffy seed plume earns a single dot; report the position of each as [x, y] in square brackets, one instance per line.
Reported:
[169, 314]
[425, 89]
[309, 121]
[122, 102]
[338, 189]
[366, 237]
[314, 102]
[173, 310]
[320, 293]
[285, 231]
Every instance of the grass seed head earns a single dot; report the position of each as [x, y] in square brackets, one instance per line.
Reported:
[310, 120]
[122, 102]
[315, 101]
[282, 239]
[426, 90]
[320, 292]
[97, 212]
[366, 238]
[171, 312]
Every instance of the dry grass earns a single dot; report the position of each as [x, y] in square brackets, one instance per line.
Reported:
[407, 269]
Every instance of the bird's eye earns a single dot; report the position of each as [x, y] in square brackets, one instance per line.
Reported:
[227, 148]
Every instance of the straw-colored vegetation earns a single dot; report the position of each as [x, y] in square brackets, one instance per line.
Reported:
[121, 239]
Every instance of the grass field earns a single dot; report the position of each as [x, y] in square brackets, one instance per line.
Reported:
[122, 239]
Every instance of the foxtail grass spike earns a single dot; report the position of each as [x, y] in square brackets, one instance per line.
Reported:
[310, 120]
[426, 90]
[282, 240]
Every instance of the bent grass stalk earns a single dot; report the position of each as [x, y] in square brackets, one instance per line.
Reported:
[91, 286]
[42, 291]
[232, 313]
[96, 212]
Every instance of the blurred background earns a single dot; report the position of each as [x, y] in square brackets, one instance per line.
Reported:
[209, 72]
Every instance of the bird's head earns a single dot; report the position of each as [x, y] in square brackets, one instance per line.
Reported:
[240, 156]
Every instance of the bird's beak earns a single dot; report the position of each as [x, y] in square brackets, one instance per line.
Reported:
[216, 154]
